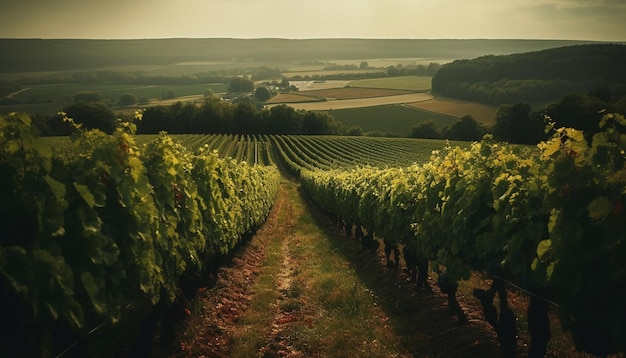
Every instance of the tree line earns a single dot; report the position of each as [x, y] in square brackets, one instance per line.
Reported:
[534, 76]
[214, 116]
[522, 124]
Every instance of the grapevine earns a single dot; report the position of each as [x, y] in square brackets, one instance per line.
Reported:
[550, 219]
[111, 224]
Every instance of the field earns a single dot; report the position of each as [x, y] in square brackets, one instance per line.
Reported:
[49, 99]
[330, 105]
[112, 232]
[60, 60]
[409, 83]
[315, 72]
[346, 93]
[394, 119]
[457, 108]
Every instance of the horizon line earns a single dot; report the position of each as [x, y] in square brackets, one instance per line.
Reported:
[312, 38]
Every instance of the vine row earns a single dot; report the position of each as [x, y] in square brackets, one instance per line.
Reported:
[550, 219]
[112, 225]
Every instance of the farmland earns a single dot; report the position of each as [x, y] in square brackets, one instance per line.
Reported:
[49, 81]
[409, 83]
[458, 108]
[259, 244]
[345, 93]
[394, 119]
[362, 102]
[339, 158]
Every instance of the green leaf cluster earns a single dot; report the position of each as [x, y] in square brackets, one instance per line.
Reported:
[549, 218]
[115, 224]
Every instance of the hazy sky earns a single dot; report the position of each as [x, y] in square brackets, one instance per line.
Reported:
[527, 19]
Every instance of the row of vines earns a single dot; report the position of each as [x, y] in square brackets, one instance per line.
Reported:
[550, 219]
[252, 149]
[298, 151]
[301, 153]
[111, 227]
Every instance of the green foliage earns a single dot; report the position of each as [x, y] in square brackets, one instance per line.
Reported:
[93, 115]
[426, 129]
[110, 225]
[465, 129]
[550, 220]
[262, 93]
[128, 99]
[217, 116]
[241, 84]
[532, 76]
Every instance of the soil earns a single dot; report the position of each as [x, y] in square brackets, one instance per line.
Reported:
[428, 327]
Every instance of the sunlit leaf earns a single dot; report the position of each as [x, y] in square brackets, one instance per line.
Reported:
[599, 208]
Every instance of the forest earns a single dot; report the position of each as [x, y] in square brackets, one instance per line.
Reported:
[74, 54]
[534, 76]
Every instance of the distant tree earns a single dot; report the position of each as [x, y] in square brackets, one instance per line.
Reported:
[156, 119]
[241, 84]
[50, 124]
[285, 120]
[216, 116]
[87, 97]
[169, 94]
[518, 124]
[363, 65]
[432, 69]
[426, 129]
[208, 93]
[128, 99]
[320, 123]
[284, 83]
[244, 118]
[466, 129]
[578, 111]
[262, 94]
[355, 131]
[94, 115]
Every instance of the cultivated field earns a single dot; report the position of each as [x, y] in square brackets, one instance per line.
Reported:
[314, 72]
[458, 108]
[409, 83]
[392, 119]
[361, 102]
[319, 85]
[350, 93]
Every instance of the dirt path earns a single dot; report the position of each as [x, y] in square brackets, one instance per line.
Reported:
[302, 288]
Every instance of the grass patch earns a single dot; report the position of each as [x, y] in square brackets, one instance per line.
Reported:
[248, 335]
[410, 83]
[321, 308]
[353, 93]
[49, 99]
[395, 119]
[459, 108]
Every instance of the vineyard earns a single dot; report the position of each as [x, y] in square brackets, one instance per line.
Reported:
[549, 221]
[102, 229]
[98, 224]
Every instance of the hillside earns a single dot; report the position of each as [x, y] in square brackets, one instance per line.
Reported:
[25, 55]
[534, 76]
